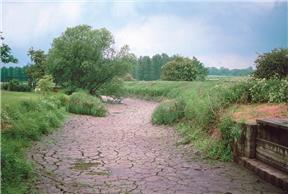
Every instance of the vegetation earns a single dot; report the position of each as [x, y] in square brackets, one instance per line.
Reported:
[9, 73]
[38, 67]
[222, 71]
[15, 85]
[24, 118]
[94, 62]
[45, 85]
[82, 103]
[196, 107]
[183, 69]
[149, 68]
[5, 51]
[273, 64]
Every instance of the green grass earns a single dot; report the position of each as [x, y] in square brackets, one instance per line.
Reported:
[10, 98]
[82, 103]
[25, 117]
[200, 105]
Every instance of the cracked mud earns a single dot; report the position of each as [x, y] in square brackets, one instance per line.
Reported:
[125, 153]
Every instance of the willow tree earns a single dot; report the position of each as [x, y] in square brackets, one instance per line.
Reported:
[85, 58]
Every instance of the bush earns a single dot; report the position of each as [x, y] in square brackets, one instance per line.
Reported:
[15, 85]
[114, 88]
[274, 91]
[272, 65]
[183, 69]
[222, 149]
[82, 103]
[45, 84]
[168, 112]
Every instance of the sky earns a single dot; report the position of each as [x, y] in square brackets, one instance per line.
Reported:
[219, 33]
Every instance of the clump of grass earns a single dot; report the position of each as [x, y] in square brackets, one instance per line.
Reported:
[22, 122]
[168, 112]
[82, 103]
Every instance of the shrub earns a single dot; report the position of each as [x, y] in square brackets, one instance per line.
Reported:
[272, 65]
[183, 69]
[114, 88]
[168, 112]
[128, 77]
[82, 103]
[45, 84]
[274, 91]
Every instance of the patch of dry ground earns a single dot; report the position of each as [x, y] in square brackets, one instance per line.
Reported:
[124, 152]
[249, 113]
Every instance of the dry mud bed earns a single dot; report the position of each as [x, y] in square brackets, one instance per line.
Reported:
[125, 153]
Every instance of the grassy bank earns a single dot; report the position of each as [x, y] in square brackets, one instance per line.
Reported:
[193, 106]
[196, 108]
[25, 117]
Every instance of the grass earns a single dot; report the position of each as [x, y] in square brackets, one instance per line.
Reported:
[10, 98]
[82, 103]
[199, 106]
[25, 117]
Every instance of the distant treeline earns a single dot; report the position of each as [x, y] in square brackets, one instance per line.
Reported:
[9, 73]
[229, 72]
[149, 68]
[146, 68]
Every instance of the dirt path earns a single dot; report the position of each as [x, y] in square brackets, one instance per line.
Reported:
[123, 152]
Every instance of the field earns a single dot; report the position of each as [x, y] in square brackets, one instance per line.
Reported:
[10, 98]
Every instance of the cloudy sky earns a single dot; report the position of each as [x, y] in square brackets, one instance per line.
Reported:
[219, 33]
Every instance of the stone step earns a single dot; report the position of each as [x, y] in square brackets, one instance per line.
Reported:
[268, 173]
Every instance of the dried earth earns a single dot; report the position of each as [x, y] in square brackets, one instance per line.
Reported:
[124, 153]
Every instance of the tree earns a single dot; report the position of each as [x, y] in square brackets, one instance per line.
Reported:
[183, 69]
[38, 66]
[273, 64]
[6, 56]
[83, 57]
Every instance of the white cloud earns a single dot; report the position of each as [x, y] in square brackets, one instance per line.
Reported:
[24, 23]
[228, 60]
[188, 37]
[166, 33]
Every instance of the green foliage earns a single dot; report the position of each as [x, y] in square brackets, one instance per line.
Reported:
[15, 85]
[6, 56]
[201, 103]
[127, 77]
[94, 62]
[168, 112]
[114, 88]
[146, 68]
[222, 149]
[45, 84]
[82, 103]
[273, 64]
[222, 71]
[38, 67]
[274, 91]
[9, 73]
[23, 121]
[183, 69]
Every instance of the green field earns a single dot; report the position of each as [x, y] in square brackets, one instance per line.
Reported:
[9, 98]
